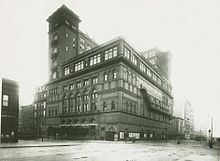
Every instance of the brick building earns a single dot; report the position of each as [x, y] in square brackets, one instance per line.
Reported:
[9, 104]
[98, 91]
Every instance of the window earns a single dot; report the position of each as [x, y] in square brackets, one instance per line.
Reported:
[110, 53]
[55, 36]
[154, 77]
[81, 40]
[85, 95]
[94, 80]
[133, 59]
[55, 50]
[73, 27]
[127, 53]
[71, 86]
[142, 67]
[66, 35]
[65, 88]
[78, 97]
[114, 74]
[86, 82]
[78, 85]
[149, 72]
[94, 94]
[67, 22]
[113, 105]
[5, 100]
[79, 66]
[85, 107]
[66, 71]
[104, 106]
[105, 76]
[67, 48]
[88, 47]
[95, 60]
[65, 101]
[93, 106]
[54, 76]
[78, 108]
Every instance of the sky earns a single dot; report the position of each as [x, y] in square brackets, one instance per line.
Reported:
[189, 29]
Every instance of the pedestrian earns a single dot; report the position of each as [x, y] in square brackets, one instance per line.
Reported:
[178, 140]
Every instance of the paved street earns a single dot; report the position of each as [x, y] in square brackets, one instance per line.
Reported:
[103, 151]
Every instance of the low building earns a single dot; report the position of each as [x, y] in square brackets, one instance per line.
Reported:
[9, 105]
[177, 128]
[27, 127]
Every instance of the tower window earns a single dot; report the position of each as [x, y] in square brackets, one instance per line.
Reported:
[67, 48]
[67, 35]
[5, 100]
[55, 36]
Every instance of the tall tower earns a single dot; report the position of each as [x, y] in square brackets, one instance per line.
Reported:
[63, 39]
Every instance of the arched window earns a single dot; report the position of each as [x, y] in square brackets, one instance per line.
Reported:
[104, 106]
[94, 94]
[114, 74]
[113, 105]
[105, 76]
[55, 36]
[78, 97]
[85, 95]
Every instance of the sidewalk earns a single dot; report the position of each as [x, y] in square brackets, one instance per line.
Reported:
[39, 143]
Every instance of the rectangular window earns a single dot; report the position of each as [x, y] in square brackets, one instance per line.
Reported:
[111, 53]
[127, 53]
[85, 107]
[149, 72]
[5, 100]
[78, 85]
[142, 67]
[79, 66]
[86, 82]
[94, 80]
[67, 48]
[81, 40]
[71, 86]
[88, 47]
[66, 71]
[95, 60]
[65, 88]
[78, 108]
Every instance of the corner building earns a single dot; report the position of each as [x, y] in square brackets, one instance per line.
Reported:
[98, 91]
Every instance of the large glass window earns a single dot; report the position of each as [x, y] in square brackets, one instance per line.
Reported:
[5, 100]
[95, 60]
[79, 66]
[110, 53]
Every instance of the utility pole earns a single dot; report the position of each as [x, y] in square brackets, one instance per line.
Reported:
[211, 133]
[211, 145]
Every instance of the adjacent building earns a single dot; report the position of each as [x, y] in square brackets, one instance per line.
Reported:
[177, 128]
[9, 104]
[101, 91]
[183, 109]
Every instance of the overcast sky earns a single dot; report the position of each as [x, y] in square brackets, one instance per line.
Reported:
[189, 29]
